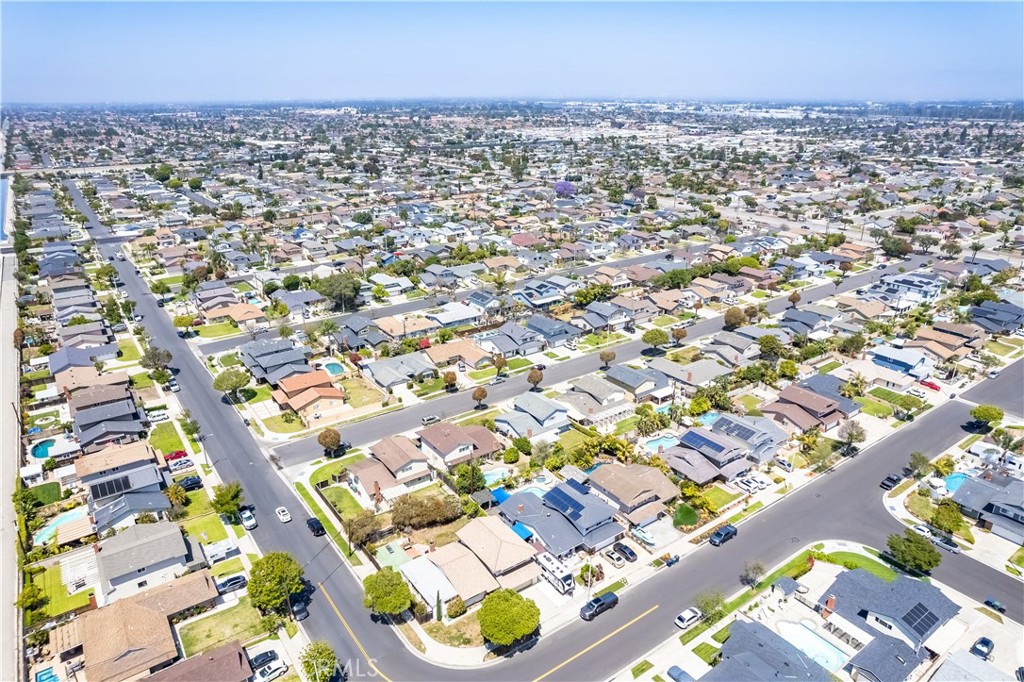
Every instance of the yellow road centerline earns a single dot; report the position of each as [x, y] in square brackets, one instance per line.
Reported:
[596, 644]
[372, 663]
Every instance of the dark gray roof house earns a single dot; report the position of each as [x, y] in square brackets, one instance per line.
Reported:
[996, 501]
[702, 456]
[753, 653]
[901, 615]
[827, 386]
[271, 360]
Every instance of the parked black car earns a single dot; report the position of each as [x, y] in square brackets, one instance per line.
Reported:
[723, 535]
[260, 660]
[598, 605]
[190, 483]
[315, 527]
[627, 553]
[889, 482]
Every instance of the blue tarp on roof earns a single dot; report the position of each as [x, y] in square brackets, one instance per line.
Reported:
[522, 531]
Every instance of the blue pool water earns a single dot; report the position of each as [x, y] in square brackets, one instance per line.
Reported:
[955, 480]
[708, 418]
[592, 468]
[663, 409]
[47, 676]
[334, 368]
[500, 494]
[494, 475]
[41, 450]
[46, 533]
[813, 645]
[665, 442]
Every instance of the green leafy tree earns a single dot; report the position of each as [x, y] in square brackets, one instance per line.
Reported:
[734, 317]
[445, 335]
[155, 358]
[450, 380]
[176, 495]
[385, 592]
[195, 184]
[699, 405]
[228, 498]
[499, 362]
[469, 478]
[655, 337]
[850, 434]
[788, 369]
[32, 597]
[771, 348]
[944, 466]
[919, 464]
[947, 517]
[711, 604]
[183, 321]
[507, 617]
[361, 527]
[230, 381]
[913, 551]
[273, 578]
[318, 661]
[987, 415]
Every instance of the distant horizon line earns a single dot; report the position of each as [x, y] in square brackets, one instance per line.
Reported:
[796, 101]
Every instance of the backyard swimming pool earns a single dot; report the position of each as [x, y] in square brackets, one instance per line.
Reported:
[494, 475]
[41, 450]
[46, 533]
[825, 654]
[334, 368]
[500, 494]
[47, 676]
[665, 442]
[708, 418]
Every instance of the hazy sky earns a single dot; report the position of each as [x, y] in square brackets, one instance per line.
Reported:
[171, 52]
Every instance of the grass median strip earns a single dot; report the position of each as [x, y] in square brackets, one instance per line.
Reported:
[329, 525]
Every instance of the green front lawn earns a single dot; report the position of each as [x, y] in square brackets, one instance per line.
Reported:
[480, 418]
[141, 380]
[873, 407]
[747, 511]
[867, 563]
[242, 287]
[614, 587]
[129, 351]
[720, 497]
[206, 528]
[59, 600]
[684, 356]
[664, 320]
[828, 367]
[342, 501]
[685, 515]
[999, 348]
[229, 360]
[759, 293]
[232, 565]
[359, 393]
[198, 503]
[1018, 558]
[518, 363]
[164, 437]
[481, 374]
[325, 472]
[429, 386]
[602, 339]
[640, 668]
[750, 403]
[706, 652]
[907, 402]
[277, 424]
[172, 280]
[241, 622]
[215, 331]
[254, 395]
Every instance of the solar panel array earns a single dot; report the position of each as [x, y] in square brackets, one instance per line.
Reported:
[577, 486]
[920, 619]
[698, 442]
[561, 501]
[735, 429]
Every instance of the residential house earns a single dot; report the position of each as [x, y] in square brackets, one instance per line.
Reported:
[639, 310]
[448, 445]
[455, 314]
[755, 652]
[997, 317]
[800, 410]
[703, 456]
[640, 384]
[271, 360]
[732, 349]
[565, 519]
[228, 663]
[459, 350]
[122, 481]
[533, 416]
[464, 570]
[141, 556]
[510, 340]
[507, 556]
[312, 396]
[398, 370]
[398, 467]
[638, 491]
[599, 316]
[596, 402]
[996, 501]
[537, 293]
[118, 422]
[692, 376]
[429, 583]
[830, 387]
[904, 360]
[357, 332]
[760, 435]
[406, 327]
[302, 304]
[555, 333]
[894, 622]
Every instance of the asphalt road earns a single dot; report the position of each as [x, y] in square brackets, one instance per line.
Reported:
[1005, 391]
[842, 505]
[220, 346]
[410, 417]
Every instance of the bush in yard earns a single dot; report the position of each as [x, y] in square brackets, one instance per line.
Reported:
[523, 445]
[506, 617]
[419, 512]
[386, 592]
[511, 456]
[318, 662]
[456, 607]
[947, 516]
[227, 498]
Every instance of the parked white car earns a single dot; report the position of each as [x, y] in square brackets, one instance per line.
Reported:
[271, 671]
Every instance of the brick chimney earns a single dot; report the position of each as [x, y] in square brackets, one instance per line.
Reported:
[830, 607]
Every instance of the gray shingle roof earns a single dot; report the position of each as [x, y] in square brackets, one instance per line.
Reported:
[140, 546]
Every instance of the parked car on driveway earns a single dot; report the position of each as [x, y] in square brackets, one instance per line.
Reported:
[260, 660]
[931, 384]
[181, 464]
[723, 535]
[983, 648]
[271, 672]
[190, 483]
[177, 454]
[625, 550]
[235, 582]
[614, 558]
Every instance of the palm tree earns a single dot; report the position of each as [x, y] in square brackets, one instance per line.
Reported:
[975, 247]
[176, 495]
[1007, 442]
